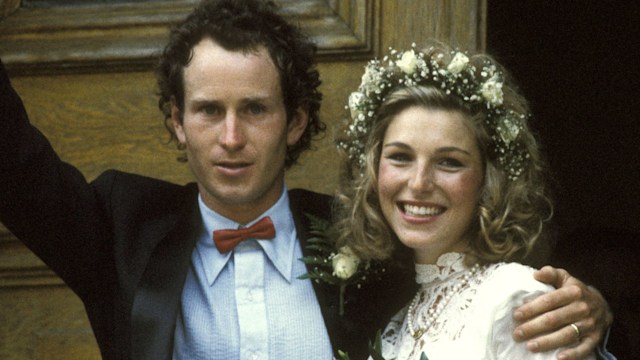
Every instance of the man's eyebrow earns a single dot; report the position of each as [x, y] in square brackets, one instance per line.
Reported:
[259, 98]
[205, 101]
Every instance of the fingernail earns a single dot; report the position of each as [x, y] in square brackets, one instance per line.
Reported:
[562, 356]
[519, 334]
[532, 346]
[518, 315]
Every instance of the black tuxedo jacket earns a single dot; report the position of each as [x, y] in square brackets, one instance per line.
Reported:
[123, 242]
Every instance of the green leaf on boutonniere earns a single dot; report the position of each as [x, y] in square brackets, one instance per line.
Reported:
[343, 355]
[375, 349]
[316, 260]
[335, 266]
[329, 264]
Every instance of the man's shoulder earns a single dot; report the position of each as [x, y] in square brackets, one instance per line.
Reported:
[304, 201]
[299, 194]
[120, 179]
[132, 190]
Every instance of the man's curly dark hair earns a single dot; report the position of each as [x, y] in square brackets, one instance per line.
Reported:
[245, 25]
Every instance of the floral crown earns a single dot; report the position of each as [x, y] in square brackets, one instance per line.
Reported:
[478, 87]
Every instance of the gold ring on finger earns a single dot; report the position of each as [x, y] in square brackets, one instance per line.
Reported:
[576, 329]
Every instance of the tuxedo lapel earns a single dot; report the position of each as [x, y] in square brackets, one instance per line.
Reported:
[367, 308]
[340, 328]
[302, 203]
[157, 298]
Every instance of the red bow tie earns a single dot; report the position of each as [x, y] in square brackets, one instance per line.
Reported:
[226, 240]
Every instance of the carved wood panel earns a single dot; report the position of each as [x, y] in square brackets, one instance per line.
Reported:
[126, 37]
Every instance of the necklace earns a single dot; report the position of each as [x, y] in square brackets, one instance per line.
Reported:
[435, 312]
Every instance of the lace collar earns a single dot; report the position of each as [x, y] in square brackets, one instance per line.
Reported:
[447, 266]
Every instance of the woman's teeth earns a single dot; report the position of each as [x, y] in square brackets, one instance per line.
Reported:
[421, 210]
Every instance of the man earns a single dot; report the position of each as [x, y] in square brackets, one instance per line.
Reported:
[239, 91]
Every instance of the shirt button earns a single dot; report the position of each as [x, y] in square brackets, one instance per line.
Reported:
[250, 298]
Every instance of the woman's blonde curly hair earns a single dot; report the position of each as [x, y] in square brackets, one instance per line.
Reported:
[511, 212]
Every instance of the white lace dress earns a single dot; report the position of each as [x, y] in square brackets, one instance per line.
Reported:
[475, 323]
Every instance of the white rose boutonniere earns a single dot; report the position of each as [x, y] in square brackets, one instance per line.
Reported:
[458, 63]
[492, 91]
[340, 267]
[408, 62]
[345, 263]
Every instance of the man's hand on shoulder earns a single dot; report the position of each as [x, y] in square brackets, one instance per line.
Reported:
[573, 315]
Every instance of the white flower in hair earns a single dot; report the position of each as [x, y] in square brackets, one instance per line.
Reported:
[458, 63]
[509, 128]
[371, 79]
[408, 62]
[492, 91]
[356, 100]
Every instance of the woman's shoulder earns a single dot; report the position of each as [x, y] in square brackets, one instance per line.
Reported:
[511, 282]
[505, 287]
[500, 288]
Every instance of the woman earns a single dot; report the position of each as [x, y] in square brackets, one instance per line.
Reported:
[441, 160]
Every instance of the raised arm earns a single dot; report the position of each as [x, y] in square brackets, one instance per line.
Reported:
[47, 203]
[573, 314]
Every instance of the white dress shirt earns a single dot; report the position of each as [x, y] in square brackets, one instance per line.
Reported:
[249, 302]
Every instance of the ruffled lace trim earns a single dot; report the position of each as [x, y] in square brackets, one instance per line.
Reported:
[446, 292]
[447, 265]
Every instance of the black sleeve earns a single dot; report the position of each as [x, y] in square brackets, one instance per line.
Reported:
[45, 202]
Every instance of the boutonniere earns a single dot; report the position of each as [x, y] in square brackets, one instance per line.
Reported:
[329, 264]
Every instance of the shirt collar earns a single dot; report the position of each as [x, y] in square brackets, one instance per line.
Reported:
[279, 250]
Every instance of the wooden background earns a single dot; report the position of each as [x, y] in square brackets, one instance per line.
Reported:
[85, 76]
